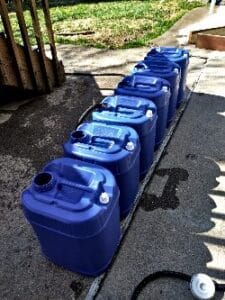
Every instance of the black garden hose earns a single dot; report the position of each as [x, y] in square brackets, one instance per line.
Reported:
[172, 274]
[88, 111]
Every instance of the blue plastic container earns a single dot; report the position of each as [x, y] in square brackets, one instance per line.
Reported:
[73, 208]
[181, 57]
[153, 88]
[116, 148]
[160, 66]
[138, 113]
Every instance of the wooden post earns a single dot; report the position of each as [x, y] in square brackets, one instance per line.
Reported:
[48, 23]
[39, 39]
[26, 42]
[12, 44]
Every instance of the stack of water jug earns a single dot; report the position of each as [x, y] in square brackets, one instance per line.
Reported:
[76, 202]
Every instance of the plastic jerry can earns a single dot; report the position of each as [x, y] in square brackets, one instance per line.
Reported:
[159, 66]
[116, 148]
[73, 208]
[153, 88]
[181, 57]
[138, 113]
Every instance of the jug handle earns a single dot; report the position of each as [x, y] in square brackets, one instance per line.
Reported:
[75, 185]
[107, 138]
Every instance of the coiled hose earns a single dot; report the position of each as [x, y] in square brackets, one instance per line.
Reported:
[172, 274]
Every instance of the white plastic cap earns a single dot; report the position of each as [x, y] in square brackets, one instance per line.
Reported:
[165, 88]
[149, 113]
[176, 70]
[112, 143]
[130, 146]
[202, 287]
[104, 198]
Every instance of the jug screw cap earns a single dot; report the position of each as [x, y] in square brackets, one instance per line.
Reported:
[149, 113]
[104, 198]
[202, 287]
[112, 143]
[176, 70]
[130, 146]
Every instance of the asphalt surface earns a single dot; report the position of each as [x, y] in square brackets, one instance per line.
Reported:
[31, 135]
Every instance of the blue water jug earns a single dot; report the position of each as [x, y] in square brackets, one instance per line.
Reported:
[138, 113]
[160, 66]
[153, 88]
[181, 57]
[116, 148]
[73, 208]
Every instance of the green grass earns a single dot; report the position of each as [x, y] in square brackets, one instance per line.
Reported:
[115, 24]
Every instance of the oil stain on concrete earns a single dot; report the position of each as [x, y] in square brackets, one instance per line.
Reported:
[168, 199]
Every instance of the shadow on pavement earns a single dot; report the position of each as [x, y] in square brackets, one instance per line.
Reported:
[9, 94]
[179, 224]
